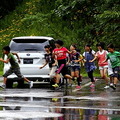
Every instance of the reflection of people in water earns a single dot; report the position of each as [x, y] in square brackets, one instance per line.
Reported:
[102, 115]
[13, 107]
[58, 110]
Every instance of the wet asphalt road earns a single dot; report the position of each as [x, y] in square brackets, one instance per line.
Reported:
[63, 104]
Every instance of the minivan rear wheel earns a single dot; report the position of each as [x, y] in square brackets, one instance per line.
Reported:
[9, 83]
[20, 83]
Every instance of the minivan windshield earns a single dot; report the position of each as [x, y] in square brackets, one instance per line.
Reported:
[28, 44]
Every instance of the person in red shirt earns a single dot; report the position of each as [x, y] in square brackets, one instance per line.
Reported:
[101, 56]
[60, 54]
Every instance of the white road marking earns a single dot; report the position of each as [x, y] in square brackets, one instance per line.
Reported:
[27, 115]
[83, 86]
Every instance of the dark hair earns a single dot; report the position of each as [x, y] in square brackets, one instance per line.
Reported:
[78, 50]
[74, 46]
[88, 45]
[47, 46]
[101, 44]
[110, 46]
[60, 42]
[6, 48]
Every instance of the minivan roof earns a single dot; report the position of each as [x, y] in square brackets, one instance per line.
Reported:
[34, 37]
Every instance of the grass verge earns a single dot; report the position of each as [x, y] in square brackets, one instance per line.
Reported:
[1, 73]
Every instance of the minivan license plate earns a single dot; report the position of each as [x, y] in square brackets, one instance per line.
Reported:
[28, 61]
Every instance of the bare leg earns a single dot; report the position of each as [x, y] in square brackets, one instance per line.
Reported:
[111, 79]
[5, 80]
[69, 77]
[25, 79]
[73, 74]
[115, 80]
[102, 74]
[77, 74]
[57, 78]
[105, 76]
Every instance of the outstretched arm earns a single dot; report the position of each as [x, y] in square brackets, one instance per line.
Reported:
[105, 60]
[79, 60]
[93, 59]
[5, 61]
[69, 52]
[55, 63]
[44, 65]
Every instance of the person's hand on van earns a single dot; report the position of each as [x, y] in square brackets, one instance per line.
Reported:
[19, 61]
[41, 67]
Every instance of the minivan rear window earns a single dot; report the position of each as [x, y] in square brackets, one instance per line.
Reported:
[28, 44]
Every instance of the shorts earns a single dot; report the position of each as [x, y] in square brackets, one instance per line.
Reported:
[103, 67]
[62, 68]
[110, 71]
[75, 68]
[52, 71]
[116, 72]
[16, 71]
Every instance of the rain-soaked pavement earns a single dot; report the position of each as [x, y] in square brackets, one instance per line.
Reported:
[63, 104]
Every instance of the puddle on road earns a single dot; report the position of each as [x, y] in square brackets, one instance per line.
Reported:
[44, 105]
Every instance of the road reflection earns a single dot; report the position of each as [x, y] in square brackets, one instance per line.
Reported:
[66, 105]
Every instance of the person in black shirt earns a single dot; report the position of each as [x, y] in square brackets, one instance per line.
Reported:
[75, 58]
[50, 61]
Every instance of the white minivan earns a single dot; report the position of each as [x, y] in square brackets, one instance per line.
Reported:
[31, 52]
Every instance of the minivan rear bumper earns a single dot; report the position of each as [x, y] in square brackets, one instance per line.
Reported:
[30, 76]
[31, 73]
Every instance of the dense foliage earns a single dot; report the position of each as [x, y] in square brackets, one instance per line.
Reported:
[6, 6]
[74, 21]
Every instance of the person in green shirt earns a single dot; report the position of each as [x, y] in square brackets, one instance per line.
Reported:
[114, 57]
[14, 66]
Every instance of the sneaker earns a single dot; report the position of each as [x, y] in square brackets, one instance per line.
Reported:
[31, 84]
[55, 99]
[106, 87]
[55, 85]
[78, 87]
[113, 87]
[70, 85]
[3, 86]
[111, 84]
[92, 85]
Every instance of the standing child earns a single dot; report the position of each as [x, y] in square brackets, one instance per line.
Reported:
[49, 60]
[14, 67]
[75, 65]
[60, 54]
[90, 66]
[114, 58]
[103, 67]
